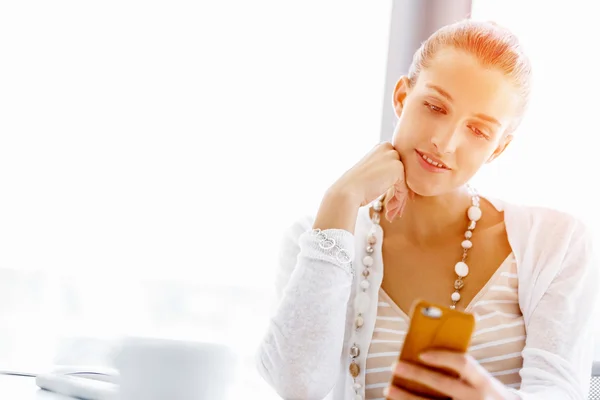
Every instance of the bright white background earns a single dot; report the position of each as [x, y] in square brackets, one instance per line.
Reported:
[151, 154]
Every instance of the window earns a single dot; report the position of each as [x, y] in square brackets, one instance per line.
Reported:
[154, 153]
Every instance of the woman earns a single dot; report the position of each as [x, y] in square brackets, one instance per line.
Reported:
[524, 272]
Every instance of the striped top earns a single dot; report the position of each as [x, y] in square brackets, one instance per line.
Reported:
[497, 342]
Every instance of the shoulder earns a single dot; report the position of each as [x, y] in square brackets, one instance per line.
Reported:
[551, 240]
[547, 222]
[536, 222]
[554, 248]
[545, 235]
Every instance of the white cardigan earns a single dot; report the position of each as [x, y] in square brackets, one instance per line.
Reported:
[305, 353]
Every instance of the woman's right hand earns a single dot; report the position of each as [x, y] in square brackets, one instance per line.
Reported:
[378, 172]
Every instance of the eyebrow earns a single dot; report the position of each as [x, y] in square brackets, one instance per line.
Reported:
[440, 91]
[488, 119]
[445, 94]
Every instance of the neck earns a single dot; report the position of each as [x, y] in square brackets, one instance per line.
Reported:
[434, 219]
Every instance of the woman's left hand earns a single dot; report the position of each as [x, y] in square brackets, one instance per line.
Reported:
[475, 383]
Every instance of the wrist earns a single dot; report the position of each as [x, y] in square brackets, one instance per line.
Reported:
[345, 195]
[338, 210]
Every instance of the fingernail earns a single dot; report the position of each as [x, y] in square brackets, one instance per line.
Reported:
[426, 357]
[386, 391]
[394, 365]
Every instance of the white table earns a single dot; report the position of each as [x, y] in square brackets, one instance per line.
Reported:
[24, 388]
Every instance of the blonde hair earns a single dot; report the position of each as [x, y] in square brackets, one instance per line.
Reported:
[494, 47]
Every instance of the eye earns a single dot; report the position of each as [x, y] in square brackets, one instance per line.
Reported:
[434, 108]
[478, 132]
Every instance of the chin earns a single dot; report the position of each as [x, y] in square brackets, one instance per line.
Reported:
[430, 187]
[426, 189]
[426, 184]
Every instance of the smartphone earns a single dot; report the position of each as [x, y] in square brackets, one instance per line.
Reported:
[434, 327]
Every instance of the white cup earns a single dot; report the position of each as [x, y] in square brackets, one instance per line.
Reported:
[164, 369]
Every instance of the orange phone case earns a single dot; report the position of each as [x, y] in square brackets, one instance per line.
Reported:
[434, 327]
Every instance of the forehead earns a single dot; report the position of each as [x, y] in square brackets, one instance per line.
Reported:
[473, 87]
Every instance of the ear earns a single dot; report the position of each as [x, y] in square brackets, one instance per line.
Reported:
[501, 147]
[400, 92]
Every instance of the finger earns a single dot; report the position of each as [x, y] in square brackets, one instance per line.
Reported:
[395, 208]
[392, 214]
[440, 382]
[396, 198]
[395, 393]
[386, 145]
[395, 153]
[402, 205]
[389, 197]
[463, 364]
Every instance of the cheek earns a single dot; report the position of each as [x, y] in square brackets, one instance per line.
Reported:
[472, 157]
[402, 142]
[412, 127]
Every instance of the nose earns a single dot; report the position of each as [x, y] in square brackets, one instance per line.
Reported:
[446, 141]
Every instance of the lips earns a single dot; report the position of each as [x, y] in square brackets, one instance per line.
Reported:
[433, 161]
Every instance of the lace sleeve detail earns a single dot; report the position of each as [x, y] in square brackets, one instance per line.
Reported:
[330, 246]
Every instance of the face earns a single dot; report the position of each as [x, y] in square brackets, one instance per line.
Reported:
[452, 121]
